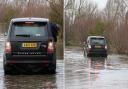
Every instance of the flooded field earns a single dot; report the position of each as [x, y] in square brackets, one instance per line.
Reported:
[95, 73]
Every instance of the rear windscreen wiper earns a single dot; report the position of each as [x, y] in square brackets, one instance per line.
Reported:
[23, 35]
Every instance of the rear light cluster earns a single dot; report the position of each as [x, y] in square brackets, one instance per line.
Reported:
[89, 46]
[106, 47]
[50, 47]
[7, 47]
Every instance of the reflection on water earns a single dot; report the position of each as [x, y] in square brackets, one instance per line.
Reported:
[30, 82]
[95, 64]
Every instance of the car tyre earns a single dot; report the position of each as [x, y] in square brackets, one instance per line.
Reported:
[88, 55]
[53, 65]
[52, 68]
[7, 70]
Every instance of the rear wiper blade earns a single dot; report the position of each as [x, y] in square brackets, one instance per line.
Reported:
[23, 35]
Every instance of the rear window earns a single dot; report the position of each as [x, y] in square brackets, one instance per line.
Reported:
[30, 29]
[95, 41]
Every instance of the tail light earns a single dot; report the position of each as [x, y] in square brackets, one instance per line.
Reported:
[50, 47]
[105, 46]
[7, 47]
[89, 46]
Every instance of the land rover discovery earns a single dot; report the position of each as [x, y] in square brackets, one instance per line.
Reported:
[96, 45]
[30, 46]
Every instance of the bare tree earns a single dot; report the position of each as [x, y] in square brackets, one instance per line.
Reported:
[80, 17]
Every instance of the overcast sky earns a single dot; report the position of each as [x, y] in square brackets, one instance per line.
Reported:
[101, 3]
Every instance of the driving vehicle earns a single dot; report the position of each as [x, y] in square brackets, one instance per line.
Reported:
[30, 46]
[96, 46]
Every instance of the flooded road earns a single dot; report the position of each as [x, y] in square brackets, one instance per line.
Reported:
[44, 81]
[95, 73]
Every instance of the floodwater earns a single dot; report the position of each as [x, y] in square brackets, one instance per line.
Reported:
[95, 73]
[44, 81]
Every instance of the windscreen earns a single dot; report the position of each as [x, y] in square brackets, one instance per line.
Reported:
[30, 29]
[97, 41]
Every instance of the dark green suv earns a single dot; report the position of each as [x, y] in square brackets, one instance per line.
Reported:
[30, 45]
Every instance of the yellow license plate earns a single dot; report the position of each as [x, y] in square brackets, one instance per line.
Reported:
[29, 45]
[97, 46]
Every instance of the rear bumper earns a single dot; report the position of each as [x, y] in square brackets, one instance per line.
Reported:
[45, 59]
[97, 52]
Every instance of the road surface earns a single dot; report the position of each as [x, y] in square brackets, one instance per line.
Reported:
[95, 73]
